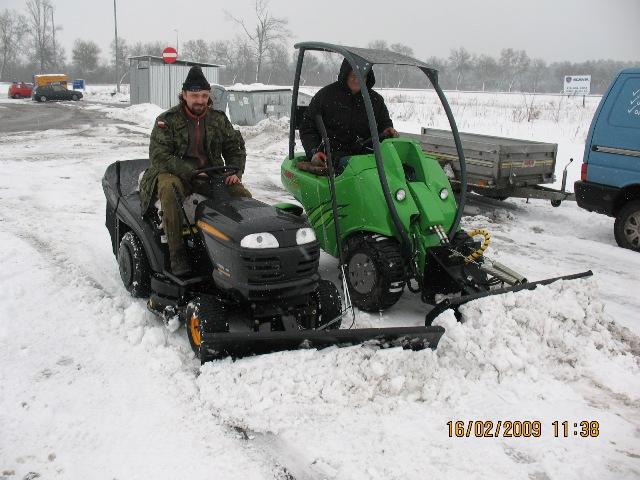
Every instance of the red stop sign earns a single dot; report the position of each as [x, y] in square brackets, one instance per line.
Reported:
[169, 55]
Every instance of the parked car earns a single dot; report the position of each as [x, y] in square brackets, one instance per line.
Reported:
[610, 179]
[55, 92]
[20, 90]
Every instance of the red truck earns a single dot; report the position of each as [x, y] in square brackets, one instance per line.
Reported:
[20, 90]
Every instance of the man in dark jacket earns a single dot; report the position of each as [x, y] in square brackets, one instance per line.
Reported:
[185, 138]
[342, 109]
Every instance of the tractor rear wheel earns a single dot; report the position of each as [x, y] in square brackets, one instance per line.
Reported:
[205, 315]
[134, 266]
[375, 271]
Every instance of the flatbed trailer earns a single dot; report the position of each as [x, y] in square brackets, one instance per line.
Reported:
[498, 167]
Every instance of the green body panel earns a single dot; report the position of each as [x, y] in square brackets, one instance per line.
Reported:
[361, 203]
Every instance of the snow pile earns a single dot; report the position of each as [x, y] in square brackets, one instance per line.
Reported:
[255, 87]
[276, 129]
[106, 94]
[143, 114]
[520, 342]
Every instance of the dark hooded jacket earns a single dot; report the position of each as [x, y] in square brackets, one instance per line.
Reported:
[344, 116]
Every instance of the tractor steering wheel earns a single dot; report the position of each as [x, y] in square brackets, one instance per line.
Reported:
[217, 170]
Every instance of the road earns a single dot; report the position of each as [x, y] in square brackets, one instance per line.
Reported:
[26, 115]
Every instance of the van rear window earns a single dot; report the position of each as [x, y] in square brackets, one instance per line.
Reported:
[626, 108]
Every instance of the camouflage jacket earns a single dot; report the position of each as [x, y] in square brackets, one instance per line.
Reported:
[169, 143]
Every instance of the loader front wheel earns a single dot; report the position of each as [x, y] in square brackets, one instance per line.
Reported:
[134, 266]
[375, 272]
[627, 226]
[205, 315]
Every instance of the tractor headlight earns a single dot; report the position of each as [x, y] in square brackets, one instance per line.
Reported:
[305, 235]
[401, 195]
[259, 240]
[444, 194]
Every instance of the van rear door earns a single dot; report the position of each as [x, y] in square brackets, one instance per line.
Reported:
[613, 146]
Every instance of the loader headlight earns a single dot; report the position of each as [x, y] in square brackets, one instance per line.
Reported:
[401, 195]
[305, 235]
[259, 240]
[444, 194]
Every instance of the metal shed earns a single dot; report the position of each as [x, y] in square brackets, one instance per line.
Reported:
[248, 104]
[153, 81]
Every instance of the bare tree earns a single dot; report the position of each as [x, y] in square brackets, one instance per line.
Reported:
[13, 27]
[460, 62]
[85, 56]
[400, 72]
[267, 32]
[536, 72]
[123, 53]
[144, 48]
[196, 51]
[514, 64]
[486, 69]
[41, 29]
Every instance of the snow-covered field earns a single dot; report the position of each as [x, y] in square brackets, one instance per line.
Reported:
[94, 386]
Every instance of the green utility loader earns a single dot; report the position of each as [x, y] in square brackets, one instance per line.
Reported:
[391, 216]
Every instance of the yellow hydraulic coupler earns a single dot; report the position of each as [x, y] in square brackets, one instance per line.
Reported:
[485, 244]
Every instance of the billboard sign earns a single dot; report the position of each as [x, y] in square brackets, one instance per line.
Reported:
[577, 84]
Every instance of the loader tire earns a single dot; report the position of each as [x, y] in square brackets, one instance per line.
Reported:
[134, 266]
[375, 271]
[627, 226]
[205, 315]
[329, 304]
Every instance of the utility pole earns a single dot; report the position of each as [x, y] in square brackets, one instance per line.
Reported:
[177, 48]
[115, 24]
[53, 31]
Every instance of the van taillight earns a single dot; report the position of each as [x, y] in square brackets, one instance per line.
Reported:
[583, 172]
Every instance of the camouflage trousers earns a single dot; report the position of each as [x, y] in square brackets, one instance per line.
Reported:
[171, 214]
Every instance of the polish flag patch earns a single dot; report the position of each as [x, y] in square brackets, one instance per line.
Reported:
[160, 124]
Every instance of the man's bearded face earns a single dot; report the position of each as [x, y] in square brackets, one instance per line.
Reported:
[196, 101]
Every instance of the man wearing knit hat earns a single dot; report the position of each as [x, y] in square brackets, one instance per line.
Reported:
[185, 138]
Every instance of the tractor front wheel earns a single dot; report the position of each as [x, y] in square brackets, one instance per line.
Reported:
[375, 271]
[205, 315]
[327, 298]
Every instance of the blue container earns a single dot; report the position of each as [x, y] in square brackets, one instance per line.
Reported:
[78, 84]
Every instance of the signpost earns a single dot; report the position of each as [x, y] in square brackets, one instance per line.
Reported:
[169, 55]
[577, 85]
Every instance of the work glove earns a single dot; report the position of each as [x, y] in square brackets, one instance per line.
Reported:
[390, 132]
[319, 159]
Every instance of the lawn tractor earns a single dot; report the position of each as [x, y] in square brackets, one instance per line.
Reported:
[391, 216]
[254, 286]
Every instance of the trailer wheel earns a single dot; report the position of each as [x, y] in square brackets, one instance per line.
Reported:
[134, 266]
[556, 203]
[205, 315]
[375, 272]
[329, 304]
[627, 226]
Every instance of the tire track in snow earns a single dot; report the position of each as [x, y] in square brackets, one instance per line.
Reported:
[268, 448]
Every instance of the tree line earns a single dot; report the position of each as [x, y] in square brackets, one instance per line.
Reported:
[260, 53]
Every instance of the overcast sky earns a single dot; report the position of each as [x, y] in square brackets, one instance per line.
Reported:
[574, 30]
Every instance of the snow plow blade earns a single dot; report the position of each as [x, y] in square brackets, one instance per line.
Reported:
[454, 303]
[242, 344]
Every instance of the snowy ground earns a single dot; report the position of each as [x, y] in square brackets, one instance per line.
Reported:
[93, 386]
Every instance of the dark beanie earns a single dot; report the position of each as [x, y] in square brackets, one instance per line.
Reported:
[195, 80]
